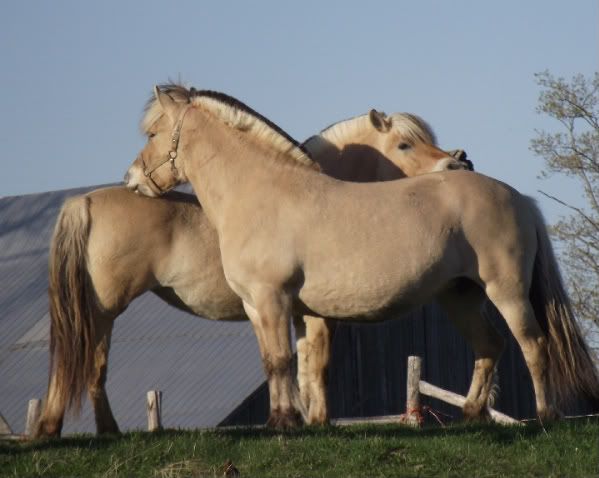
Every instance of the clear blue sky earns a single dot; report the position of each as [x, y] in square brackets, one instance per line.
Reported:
[75, 74]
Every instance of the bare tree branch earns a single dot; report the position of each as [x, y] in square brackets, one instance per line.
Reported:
[573, 208]
[573, 150]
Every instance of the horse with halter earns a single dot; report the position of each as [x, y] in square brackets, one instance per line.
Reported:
[110, 246]
[295, 241]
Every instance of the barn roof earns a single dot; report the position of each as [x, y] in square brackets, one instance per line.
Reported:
[205, 369]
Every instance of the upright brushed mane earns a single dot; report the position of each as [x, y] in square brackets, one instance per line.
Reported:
[409, 127]
[235, 114]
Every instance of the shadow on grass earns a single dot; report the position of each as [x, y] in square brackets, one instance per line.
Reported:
[91, 442]
[490, 432]
[493, 432]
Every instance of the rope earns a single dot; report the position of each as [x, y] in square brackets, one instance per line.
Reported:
[417, 414]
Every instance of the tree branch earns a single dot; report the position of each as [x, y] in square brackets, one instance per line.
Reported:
[592, 223]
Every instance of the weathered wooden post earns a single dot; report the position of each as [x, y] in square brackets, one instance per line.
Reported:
[154, 409]
[413, 416]
[34, 409]
[4, 426]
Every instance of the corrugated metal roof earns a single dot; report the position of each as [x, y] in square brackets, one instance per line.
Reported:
[204, 368]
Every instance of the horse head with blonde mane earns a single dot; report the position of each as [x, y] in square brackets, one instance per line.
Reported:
[380, 147]
[228, 110]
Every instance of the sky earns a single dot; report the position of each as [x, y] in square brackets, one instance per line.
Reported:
[76, 74]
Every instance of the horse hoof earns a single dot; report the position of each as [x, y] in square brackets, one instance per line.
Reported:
[319, 421]
[474, 413]
[284, 421]
[45, 430]
[550, 414]
[111, 431]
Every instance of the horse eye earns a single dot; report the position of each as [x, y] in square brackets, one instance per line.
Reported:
[151, 135]
[404, 146]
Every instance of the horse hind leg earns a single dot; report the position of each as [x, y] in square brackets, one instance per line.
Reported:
[314, 337]
[52, 417]
[319, 337]
[105, 421]
[303, 351]
[464, 309]
[516, 309]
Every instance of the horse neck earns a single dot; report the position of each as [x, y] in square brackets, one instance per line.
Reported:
[353, 155]
[325, 153]
[227, 167]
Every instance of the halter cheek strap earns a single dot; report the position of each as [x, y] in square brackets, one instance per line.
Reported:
[172, 154]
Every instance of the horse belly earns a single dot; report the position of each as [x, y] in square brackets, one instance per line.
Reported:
[215, 304]
[355, 296]
[380, 281]
[205, 293]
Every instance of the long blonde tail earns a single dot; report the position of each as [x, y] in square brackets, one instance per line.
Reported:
[571, 369]
[72, 304]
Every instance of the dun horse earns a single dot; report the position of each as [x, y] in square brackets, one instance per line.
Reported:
[293, 240]
[111, 245]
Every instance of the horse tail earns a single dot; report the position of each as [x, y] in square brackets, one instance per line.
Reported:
[571, 368]
[72, 304]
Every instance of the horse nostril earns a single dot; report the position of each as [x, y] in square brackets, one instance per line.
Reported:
[126, 178]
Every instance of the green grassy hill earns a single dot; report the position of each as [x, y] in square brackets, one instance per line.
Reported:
[564, 449]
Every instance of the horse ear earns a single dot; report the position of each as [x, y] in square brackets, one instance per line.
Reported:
[458, 154]
[380, 120]
[167, 103]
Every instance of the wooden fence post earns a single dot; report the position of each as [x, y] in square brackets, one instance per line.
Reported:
[413, 416]
[415, 388]
[33, 415]
[4, 426]
[154, 409]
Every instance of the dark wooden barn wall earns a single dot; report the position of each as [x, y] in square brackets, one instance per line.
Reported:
[377, 374]
[368, 369]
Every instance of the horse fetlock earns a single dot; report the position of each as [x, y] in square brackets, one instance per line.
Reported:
[475, 411]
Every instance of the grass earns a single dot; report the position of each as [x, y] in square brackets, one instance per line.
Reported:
[563, 449]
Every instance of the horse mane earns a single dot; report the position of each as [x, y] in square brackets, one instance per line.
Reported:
[409, 126]
[233, 113]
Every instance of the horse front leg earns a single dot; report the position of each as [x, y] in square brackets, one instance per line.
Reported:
[270, 318]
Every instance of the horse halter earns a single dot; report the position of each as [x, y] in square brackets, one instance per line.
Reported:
[171, 155]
